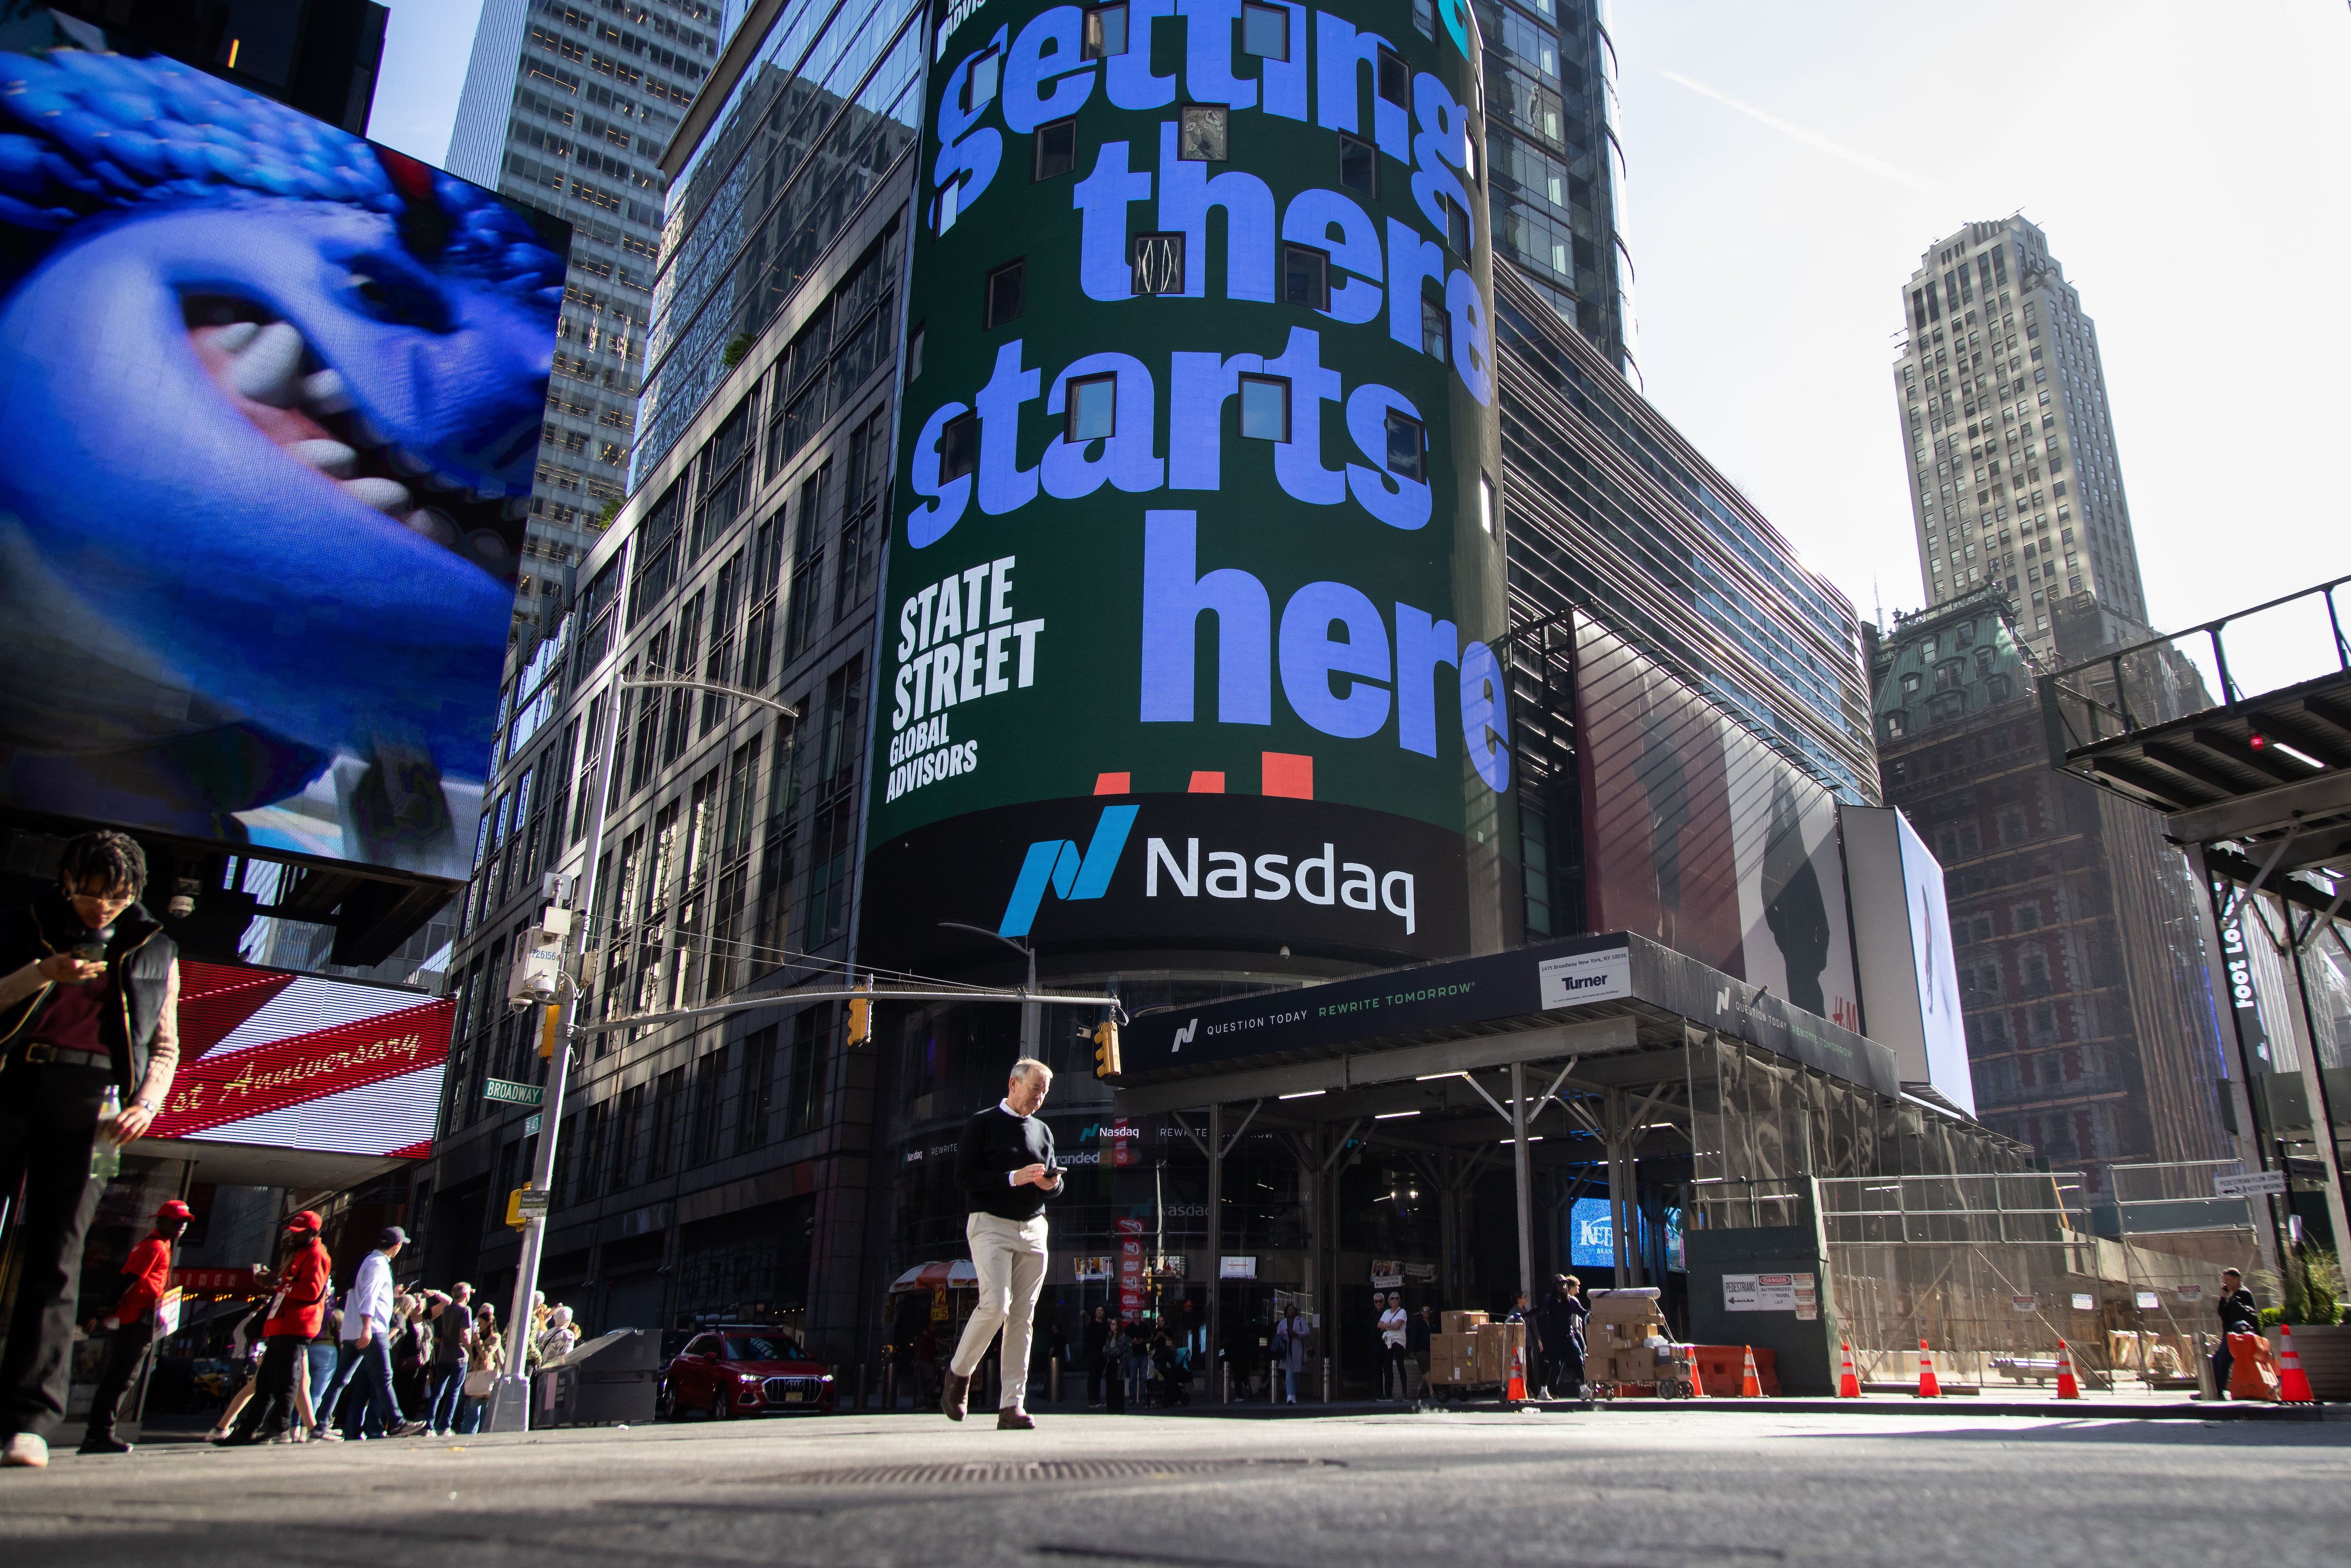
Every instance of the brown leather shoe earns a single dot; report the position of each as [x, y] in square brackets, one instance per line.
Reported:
[1010, 1420]
[951, 1396]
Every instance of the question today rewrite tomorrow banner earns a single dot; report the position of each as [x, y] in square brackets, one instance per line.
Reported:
[299, 1061]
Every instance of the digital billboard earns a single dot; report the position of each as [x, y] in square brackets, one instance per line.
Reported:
[297, 1063]
[1703, 838]
[1591, 1235]
[1194, 579]
[1902, 939]
[271, 397]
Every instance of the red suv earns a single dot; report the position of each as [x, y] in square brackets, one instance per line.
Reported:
[747, 1371]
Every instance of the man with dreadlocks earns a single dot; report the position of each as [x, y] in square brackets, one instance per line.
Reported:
[89, 997]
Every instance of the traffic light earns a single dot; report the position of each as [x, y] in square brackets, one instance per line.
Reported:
[861, 1018]
[1106, 1063]
[551, 1029]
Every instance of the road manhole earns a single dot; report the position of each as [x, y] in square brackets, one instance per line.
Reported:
[997, 1473]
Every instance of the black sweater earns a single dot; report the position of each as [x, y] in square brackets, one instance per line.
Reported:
[996, 1144]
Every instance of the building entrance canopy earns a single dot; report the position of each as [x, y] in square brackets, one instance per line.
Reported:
[1618, 996]
[1648, 1054]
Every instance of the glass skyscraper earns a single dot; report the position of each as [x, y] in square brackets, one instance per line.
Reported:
[567, 107]
[1557, 186]
[767, 1165]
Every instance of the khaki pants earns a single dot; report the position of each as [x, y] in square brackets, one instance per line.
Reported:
[1008, 1256]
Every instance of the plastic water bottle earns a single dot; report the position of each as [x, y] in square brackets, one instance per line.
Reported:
[106, 1154]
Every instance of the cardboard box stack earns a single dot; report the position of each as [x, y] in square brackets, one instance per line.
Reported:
[1453, 1349]
[1468, 1350]
[1617, 1336]
[1495, 1343]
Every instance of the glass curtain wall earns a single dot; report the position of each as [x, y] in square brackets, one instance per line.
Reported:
[807, 134]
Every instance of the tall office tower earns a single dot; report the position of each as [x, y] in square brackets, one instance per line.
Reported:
[2003, 407]
[1558, 178]
[568, 107]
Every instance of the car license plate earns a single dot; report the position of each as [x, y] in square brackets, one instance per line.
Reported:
[795, 1396]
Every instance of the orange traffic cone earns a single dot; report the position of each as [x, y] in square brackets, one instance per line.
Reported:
[1927, 1387]
[1749, 1386]
[2293, 1384]
[2067, 1388]
[1848, 1381]
[1515, 1389]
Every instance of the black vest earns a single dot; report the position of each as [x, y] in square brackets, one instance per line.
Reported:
[138, 977]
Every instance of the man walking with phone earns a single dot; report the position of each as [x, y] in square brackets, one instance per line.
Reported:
[1005, 1166]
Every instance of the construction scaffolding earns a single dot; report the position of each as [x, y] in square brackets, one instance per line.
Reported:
[1992, 1271]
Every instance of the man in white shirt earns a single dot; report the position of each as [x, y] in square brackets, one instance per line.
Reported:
[1393, 1323]
[367, 1347]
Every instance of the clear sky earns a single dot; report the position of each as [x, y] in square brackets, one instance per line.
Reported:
[2191, 164]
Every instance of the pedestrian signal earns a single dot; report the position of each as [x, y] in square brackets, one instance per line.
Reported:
[1106, 1063]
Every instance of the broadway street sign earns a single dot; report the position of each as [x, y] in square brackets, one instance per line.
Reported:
[505, 1091]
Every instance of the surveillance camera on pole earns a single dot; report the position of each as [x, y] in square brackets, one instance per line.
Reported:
[538, 959]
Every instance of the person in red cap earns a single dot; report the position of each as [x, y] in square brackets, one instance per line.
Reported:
[133, 1324]
[296, 1314]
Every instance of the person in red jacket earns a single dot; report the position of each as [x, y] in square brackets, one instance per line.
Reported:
[133, 1325]
[294, 1317]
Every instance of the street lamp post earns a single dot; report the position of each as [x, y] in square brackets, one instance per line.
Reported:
[510, 1400]
[1031, 1014]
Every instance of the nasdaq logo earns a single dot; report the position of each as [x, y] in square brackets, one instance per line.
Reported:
[1072, 874]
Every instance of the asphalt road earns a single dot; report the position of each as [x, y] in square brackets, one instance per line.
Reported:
[1687, 1488]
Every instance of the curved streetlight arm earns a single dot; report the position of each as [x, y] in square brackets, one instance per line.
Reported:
[1032, 1021]
[712, 688]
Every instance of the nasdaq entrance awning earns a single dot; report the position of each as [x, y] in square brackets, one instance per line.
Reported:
[1574, 1062]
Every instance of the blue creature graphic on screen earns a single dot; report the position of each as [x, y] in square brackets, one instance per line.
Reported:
[271, 400]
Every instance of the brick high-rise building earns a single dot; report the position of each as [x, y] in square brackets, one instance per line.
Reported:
[2092, 1033]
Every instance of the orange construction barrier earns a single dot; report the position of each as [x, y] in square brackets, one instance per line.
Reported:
[1749, 1386]
[2067, 1388]
[1516, 1389]
[1848, 1381]
[2252, 1370]
[1928, 1388]
[2294, 1386]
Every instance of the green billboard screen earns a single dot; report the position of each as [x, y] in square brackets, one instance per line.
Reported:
[1194, 571]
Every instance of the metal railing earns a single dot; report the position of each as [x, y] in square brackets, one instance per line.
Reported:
[2171, 677]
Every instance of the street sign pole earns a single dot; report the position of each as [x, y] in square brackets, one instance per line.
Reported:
[511, 1401]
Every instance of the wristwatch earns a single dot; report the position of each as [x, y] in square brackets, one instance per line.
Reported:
[150, 1106]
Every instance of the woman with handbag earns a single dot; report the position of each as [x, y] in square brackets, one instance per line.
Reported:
[244, 1351]
[484, 1362]
[412, 1348]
